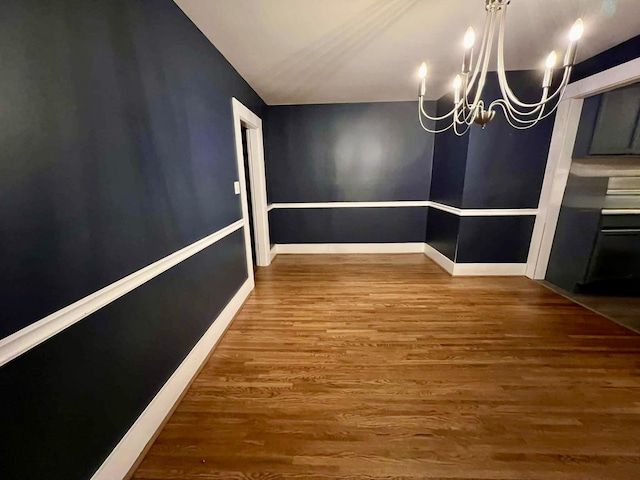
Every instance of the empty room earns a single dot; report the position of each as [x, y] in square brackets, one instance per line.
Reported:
[320, 239]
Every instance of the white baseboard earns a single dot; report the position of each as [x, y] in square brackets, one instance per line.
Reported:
[442, 260]
[454, 269]
[489, 269]
[124, 457]
[304, 248]
[274, 252]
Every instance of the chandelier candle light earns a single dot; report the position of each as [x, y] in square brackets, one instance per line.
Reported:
[468, 106]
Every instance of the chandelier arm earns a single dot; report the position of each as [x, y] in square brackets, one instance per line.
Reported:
[488, 28]
[514, 114]
[481, 67]
[428, 129]
[460, 134]
[423, 113]
[483, 75]
[518, 127]
[502, 76]
[528, 123]
[435, 119]
[464, 116]
[508, 94]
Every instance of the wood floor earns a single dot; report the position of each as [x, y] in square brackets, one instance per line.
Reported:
[383, 366]
[623, 310]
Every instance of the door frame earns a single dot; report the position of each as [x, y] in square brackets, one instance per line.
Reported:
[563, 140]
[258, 184]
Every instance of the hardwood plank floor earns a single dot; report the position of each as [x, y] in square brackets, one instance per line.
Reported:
[383, 366]
[623, 310]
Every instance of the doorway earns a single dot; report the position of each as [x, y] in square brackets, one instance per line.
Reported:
[565, 131]
[251, 185]
[247, 179]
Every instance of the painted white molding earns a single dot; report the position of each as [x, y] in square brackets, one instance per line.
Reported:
[474, 269]
[489, 269]
[556, 176]
[616, 77]
[25, 339]
[315, 248]
[351, 204]
[445, 208]
[468, 212]
[129, 451]
[441, 259]
[270, 207]
[485, 212]
[626, 211]
[455, 269]
[274, 252]
[258, 187]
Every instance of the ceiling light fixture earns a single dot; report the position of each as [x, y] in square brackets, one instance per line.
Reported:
[468, 105]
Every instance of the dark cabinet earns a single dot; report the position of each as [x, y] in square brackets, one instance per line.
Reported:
[616, 255]
[617, 128]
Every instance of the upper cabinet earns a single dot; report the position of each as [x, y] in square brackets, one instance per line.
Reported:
[617, 128]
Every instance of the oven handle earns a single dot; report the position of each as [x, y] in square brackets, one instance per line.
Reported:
[621, 230]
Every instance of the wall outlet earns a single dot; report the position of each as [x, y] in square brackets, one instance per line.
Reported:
[236, 187]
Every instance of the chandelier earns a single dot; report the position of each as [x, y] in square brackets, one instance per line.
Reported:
[468, 106]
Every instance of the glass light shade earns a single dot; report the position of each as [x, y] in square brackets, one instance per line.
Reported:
[576, 31]
[469, 38]
[422, 73]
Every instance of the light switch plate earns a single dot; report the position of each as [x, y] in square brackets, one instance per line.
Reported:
[236, 187]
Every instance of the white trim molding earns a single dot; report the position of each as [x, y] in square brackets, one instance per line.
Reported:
[350, 205]
[315, 248]
[258, 188]
[129, 451]
[555, 181]
[445, 262]
[489, 269]
[452, 268]
[461, 212]
[474, 269]
[615, 77]
[25, 339]
[485, 212]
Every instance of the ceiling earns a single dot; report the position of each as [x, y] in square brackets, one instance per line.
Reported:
[330, 51]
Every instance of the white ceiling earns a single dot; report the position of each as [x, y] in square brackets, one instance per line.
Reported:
[326, 51]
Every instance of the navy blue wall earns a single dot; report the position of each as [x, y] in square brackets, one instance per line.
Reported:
[495, 168]
[348, 225]
[116, 142]
[505, 167]
[494, 239]
[449, 160]
[117, 149]
[442, 232]
[364, 152]
[66, 403]
[622, 53]
[361, 152]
